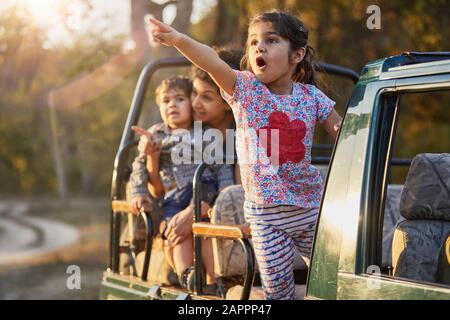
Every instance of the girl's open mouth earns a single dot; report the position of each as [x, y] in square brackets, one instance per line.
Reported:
[260, 63]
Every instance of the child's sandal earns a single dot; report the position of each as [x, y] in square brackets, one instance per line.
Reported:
[187, 279]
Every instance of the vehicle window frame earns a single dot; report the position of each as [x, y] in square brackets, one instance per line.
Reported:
[390, 101]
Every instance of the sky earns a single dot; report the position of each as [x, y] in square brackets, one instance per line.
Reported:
[45, 14]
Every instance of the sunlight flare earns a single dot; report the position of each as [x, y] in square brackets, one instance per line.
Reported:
[41, 9]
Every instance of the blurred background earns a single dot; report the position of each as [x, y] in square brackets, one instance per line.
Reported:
[68, 69]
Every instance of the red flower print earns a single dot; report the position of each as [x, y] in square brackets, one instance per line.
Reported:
[291, 135]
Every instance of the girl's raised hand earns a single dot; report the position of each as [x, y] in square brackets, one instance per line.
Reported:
[163, 33]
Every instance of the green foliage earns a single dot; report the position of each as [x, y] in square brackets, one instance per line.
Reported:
[88, 135]
[339, 33]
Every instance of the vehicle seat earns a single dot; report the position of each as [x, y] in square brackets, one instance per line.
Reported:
[391, 218]
[425, 205]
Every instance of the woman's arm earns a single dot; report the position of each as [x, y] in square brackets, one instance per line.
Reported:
[199, 54]
[237, 174]
[332, 124]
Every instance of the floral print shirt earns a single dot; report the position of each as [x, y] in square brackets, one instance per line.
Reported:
[274, 135]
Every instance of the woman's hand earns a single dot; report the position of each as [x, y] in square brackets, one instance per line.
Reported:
[164, 34]
[180, 226]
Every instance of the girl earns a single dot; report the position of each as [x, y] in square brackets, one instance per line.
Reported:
[275, 107]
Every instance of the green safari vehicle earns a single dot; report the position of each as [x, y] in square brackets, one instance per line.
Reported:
[384, 225]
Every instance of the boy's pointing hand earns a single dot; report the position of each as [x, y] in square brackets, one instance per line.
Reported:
[147, 143]
[140, 131]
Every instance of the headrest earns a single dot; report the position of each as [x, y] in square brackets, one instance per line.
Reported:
[426, 194]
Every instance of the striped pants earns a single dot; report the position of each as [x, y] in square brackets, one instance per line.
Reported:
[276, 230]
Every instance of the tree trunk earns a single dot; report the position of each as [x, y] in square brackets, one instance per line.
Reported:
[56, 153]
[182, 20]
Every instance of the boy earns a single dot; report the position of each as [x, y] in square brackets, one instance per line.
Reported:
[169, 178]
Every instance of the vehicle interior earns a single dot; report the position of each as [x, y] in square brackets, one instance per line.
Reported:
[416, 223]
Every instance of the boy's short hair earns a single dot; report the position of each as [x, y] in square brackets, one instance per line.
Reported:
[232, 56]
[176, 82]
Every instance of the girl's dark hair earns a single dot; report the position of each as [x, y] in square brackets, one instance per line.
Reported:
[292, 29]
[232, 56]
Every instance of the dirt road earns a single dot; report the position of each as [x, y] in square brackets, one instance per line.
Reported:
[40, 240]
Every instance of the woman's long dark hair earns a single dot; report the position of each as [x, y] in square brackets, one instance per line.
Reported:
[292, 29]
